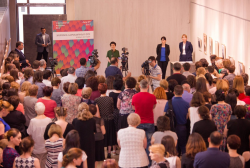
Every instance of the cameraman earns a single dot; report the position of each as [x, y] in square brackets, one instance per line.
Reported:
[113, 69]
[155, 73]
[80, 72]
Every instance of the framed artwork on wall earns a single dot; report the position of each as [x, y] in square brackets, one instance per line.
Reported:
[231, 60]
[241, 67]
[200, 44]
[210, 46]
[216, 48]
[223, 51]
[205, 43]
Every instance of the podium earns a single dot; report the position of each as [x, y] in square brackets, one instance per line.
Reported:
[192, 66]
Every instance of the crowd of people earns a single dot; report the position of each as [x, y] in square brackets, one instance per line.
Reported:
[198, 119]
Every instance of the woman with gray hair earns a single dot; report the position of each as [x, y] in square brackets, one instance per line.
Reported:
[86, 126]
[36, 129]
[133, 143]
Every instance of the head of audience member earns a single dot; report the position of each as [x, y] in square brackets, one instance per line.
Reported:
[156, 152]
[186, 66]
[8, 78]
[212, 59]
[72, 140]
[14, 101]
[247, 90]
[178, 91]
[223, 85]
[215, 139]
[102, 87]
[240, 111]
[28, 72]
[101, 79]
[14, 73]
[110, 163]
[6, 86]
[14, 54]
[210, 69]
[47, 91]
[186, 87]
[226, 63]
[83, 61]
[71, 70]
[10, 67]
[233, 143]
[209, 79]
[215, 81]
[200, 72]
[19, 45]
[152, 61]
[17, 64]
[92, 109]
[55, 82]
[118, 84]
[12, 92]
[164, 84]
[55, 130]
[73, 87]
[163, 123]
[64, 72]
[27, 145]
[245, 78]
[195, 145]
[197, 100]
[89, 74]
[219, 63]
[6, 108]
[112, 45]
[114, 61]
[66, 87]
[144, 85]
[207, 97]
[83, 112]
[197, 65]
[80, 81]
[93, 83]
[220, 95]
[15, 85]
[43, 64]
[130, 83]
[191, 80]
[203, 112]
[86, 93]
[141, 77]
[14, 137]
[238, 83]
[133, 120]
[184, 38]
[109, 82]
[160, 93]
[204, 62]
[36, 65]
[163, 40]
[231, 69]
[38, 76]
[73, 157]
[231, 99]
[177, 67]
[171, 85]
[61, 112]
[46, 74]
[39, 108]
[169, 144]
[201, 85]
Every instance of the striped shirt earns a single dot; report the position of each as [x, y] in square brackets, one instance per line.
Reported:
[53, 148]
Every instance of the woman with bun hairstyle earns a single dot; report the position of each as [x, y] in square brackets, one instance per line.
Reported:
[73, 158]
[10, 153]
[4, 127]
[26, 160]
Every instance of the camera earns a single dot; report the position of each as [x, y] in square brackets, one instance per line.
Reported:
[124, 59]
[53, 61]
[93, 58]
[145, 66]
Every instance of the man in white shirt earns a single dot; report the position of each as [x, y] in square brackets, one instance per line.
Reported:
[71, 77]
[42, 42]
[47, 77]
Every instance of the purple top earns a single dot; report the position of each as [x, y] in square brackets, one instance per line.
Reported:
[9, 156]
[95, 94]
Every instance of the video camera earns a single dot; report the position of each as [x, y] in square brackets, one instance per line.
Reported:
[53, 61]
[93, 58]
[145, 66]
[124, 59]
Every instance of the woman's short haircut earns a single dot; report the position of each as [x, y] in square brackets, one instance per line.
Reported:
[204, 112]
[238, 83]
[222, 84]
[163, 37]
[33, 90]
[141, 77]
[131, 82]
[46, 74]
[93, 83]
[66, 87]
[118, 84]
[86, 92]
[184, 35]
[178, 90]
[110, 82]
[112, 42]
[234, 142]
[240, 111]
[101, 79]
[55, 129]
[38, 76]
[197, 100]
[8, 78]
[164, 84]
[226, 63]
[157, 149]
[92, 109]
[204, 62]
[102, 87]
[160, 93]
[73, 87]
[80, 81]
[14, 101]
[163, 123]
[47, 91]
[25, 87]
[55, 81]
[207, 96]
[39, 108]
[133, 119]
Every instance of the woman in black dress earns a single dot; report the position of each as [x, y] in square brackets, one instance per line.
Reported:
[106, 109]
[85, 125]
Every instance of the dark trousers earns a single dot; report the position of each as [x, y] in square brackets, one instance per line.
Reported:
[181, 131]
[163, 65]
[44, 54]
[185, 58]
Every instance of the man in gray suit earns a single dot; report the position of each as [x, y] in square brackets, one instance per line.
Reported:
[42, 42]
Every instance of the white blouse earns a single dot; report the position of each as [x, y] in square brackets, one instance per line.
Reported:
[183, 49]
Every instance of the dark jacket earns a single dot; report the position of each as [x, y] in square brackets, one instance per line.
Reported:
[22, 58]
[158, 52]
[188, 49]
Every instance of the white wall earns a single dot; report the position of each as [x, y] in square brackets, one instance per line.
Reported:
[225, 21]
[135, 24]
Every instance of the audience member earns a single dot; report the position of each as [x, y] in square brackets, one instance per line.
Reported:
[187, 96]
[101, 79]
[93, 83]
[24, 91]
[43, 65]
[204, 62]
[86, 93]
[38, 80]
[201, 85]
[71, 77]
[207, 97]
[239, 102]
[198, 64]
[4, 127]
[247, 98]
[171, 84]
[46, 77]
[209, 81]
[108, 163]
[14, 74]
[222, 85]
[186, 67]
[57, 93]
[109, 81]
[191, 80]
[177, 74]
[161, 100]
[230, 77]
[200, 73]
[72, 158]
[155, 73]
[80, 72]
[231, 99]
[211, 70]
[157, 152]
[80, 81]
[36, 65]
[140, 78]
[238, 84]
[28, 76]
[245, 78]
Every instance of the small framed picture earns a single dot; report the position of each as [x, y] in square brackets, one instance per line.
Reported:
[241, 67]
[231, 60]
[200, 44]
[205, 43]
[210, 46]
[217, 48]
[223, 51]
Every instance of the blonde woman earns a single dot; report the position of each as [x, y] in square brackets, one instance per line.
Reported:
[24, 90]
[86, 127]
[157, 152]
[200, 72]
[238, 84]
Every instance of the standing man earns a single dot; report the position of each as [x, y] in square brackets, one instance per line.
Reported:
[112, 53]
[42, 42]
[24, 62]
[155, 73]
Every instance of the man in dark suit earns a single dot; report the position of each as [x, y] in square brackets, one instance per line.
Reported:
[42, 42]
[186, 49]
[24, 62]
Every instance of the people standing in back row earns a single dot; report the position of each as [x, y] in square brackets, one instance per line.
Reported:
[112, 53]
[186, 49]
[162, 58]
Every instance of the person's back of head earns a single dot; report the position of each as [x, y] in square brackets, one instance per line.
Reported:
[177, 66]
[198, 64]
[33, 90]
[71, 70]
[169, 144]
[204, 62]
[26, 144]
[171, 84]
[215, 139]
[46, 74]
[113, 60]
[186, 87]
[210, 69]
[245, 78]
[226, 63]
[178, 90]
[82, 61]
[80, 81]
[89, 74]
[109, 163]
[231, 69]
[186, 66]
[233, 142]
[247, 90]
[55, 81]
[10, 67]
[191, 81]
[144, 84]
[42, 63]
[240, 111]
[36, 64]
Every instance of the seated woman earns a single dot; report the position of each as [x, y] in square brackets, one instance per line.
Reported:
[72, 158]
[156, 154]
[163, 129]
[26, 160]
[132, 138]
